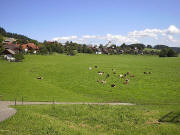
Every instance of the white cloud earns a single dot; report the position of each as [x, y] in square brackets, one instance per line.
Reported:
[171, 38]
[173, 30]
[120, 38]
[65, 38]
[145, 33]
[147, 36]
[89, 36]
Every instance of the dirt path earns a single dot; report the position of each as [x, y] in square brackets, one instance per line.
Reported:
[6, 111]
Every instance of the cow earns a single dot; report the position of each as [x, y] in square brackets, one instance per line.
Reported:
[121, 76]
[113, 85]
[100, 73]
[101, 81]
[125, 82]
[39, 77]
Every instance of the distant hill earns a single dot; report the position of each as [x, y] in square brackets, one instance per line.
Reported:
[21, 38]
[160, 46]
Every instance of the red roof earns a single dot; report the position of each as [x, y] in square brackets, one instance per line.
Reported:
[30, 45]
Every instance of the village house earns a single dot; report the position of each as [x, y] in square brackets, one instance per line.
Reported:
[8, 41]
[9, 55]
[98, 51]
[13, 47]
[29, 47]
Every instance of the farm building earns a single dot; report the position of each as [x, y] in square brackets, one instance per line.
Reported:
[98, 51]
[30, 46]
[9, 41]
[9, 55]
[12, 47]
[9, 52]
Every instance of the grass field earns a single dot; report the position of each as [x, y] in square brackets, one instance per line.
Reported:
[67, 78]
[92, 119]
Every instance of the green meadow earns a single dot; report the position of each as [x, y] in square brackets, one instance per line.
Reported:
[67, 78]
[92, 120]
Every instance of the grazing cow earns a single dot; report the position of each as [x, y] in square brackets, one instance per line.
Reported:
[125, 82]
[114, 72]
[125, 75]
[90, 68]
[145, 72]
[113, 85]
[96, 66]
[101, 81]
[128, 73]
[40, 78]
[100, 73]
[150, 72]
[121, 76]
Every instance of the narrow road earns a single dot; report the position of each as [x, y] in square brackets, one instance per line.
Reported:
[6, 111]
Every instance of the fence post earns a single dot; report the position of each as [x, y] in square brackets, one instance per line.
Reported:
[53, 101]
[22, 99]
[15, 101]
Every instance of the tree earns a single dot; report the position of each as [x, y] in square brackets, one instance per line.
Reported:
[2, 31]
[71, 52]
[1, 44]
[101, 46]
[84, 48]
[171, 53]
[59, 49]
[89, 50]
[160, 46]
[167, 52]
[163, 52]
[149, 46]
[43, 50]
[19, 56]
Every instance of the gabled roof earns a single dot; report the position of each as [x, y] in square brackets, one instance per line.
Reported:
[30, 45]
[10, 51]
[11, 46]
[9, 40]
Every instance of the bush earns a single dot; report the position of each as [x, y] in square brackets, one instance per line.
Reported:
[43, 50]
[71, 52]
[171, 53]
[163, 52]
[19, 57]
[167, 52]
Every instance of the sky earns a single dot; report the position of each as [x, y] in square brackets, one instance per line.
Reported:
[94, 21]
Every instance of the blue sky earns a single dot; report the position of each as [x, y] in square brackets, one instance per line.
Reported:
[94, 21]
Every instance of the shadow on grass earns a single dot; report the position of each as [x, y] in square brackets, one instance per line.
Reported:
[173, 117]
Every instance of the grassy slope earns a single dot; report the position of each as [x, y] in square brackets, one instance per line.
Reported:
[151, 49]
[90, 119]
[67, 78]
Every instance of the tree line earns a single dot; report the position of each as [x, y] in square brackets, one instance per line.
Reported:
[71, 48]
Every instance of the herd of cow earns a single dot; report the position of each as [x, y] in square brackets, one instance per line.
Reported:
[126, 76]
